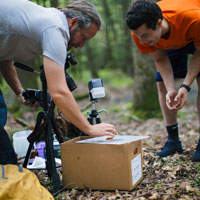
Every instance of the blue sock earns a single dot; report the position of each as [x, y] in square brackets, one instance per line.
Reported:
[172, 132]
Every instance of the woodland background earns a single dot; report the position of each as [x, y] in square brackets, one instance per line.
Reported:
[111, 55]
[132, 106]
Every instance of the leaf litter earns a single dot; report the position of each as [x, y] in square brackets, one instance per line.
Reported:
[171, 178]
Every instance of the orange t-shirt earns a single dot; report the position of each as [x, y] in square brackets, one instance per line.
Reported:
[184, 20]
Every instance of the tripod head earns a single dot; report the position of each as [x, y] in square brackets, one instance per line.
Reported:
[96, 90]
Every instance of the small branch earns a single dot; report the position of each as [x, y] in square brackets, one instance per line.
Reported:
[22, 122]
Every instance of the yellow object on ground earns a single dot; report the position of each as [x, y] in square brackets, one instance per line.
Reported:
[18, 183]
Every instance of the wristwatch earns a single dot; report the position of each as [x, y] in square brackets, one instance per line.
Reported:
[188, 88]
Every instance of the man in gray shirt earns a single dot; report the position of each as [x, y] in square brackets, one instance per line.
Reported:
[27, 30]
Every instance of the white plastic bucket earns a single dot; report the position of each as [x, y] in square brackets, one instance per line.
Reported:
[21, 143]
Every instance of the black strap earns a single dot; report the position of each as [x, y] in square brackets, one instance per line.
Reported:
[186, 87]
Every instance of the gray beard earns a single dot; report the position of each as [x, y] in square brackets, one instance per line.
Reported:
[71, 36]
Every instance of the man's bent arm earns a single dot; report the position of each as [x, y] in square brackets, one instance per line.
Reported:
[65, 101]
[163, 65]
[193, 70]
[194, 67]
[9, 73]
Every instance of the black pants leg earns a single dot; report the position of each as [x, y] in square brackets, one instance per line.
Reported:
[7, 153]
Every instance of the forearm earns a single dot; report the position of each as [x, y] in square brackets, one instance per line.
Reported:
[10, 75]
[166, 72]
[62, 96]
[69, 108]
[164, 67]
[193, 69]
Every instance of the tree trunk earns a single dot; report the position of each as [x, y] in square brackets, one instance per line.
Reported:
[145, 97]
[92, 66]
[109, 29]
[127, 40]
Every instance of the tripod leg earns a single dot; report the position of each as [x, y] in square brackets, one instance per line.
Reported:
[50, 163]
[28, 154]
[57, 132]
[33, 136]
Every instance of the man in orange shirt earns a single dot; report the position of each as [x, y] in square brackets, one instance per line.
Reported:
[169, 31]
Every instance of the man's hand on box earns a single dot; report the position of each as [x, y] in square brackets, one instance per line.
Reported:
[102, 129]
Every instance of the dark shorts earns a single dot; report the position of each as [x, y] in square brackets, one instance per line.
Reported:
[179, 61]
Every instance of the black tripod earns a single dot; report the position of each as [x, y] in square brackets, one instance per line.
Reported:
[93, 116]
[95, 84]
[46, 122]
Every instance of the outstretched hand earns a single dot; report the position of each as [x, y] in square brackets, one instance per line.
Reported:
[176, 101]
[102, 129]
[181, 98]
[171, 100]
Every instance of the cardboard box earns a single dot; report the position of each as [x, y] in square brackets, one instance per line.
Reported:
[103, 165]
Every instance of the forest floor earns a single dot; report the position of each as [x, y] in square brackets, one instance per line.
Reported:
[174, 177]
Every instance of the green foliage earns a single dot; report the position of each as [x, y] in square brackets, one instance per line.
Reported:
[177, 184]
[115, 78]
[144, 114]
[159, 184]
[81, 96]
[115, 109]
[75, 188]
[80, 73]
[198, 168]
[60, 196]
[180, 162]
[5, 88]
[110, 78]
[110, 47]
[183, 114]
[12, 103]
[128, 117]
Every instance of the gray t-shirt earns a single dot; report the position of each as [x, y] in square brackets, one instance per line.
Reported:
[28, 30]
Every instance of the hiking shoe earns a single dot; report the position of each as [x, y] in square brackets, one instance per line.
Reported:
[196, 156]
[170, 148]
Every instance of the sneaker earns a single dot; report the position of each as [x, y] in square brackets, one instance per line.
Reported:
[170, 148]
[196, 156]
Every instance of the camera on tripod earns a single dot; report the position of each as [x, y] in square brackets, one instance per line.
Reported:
[34, 95]
[96, 89]
[70, 82]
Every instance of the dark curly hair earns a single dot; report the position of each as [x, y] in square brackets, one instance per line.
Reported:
[143, 12]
